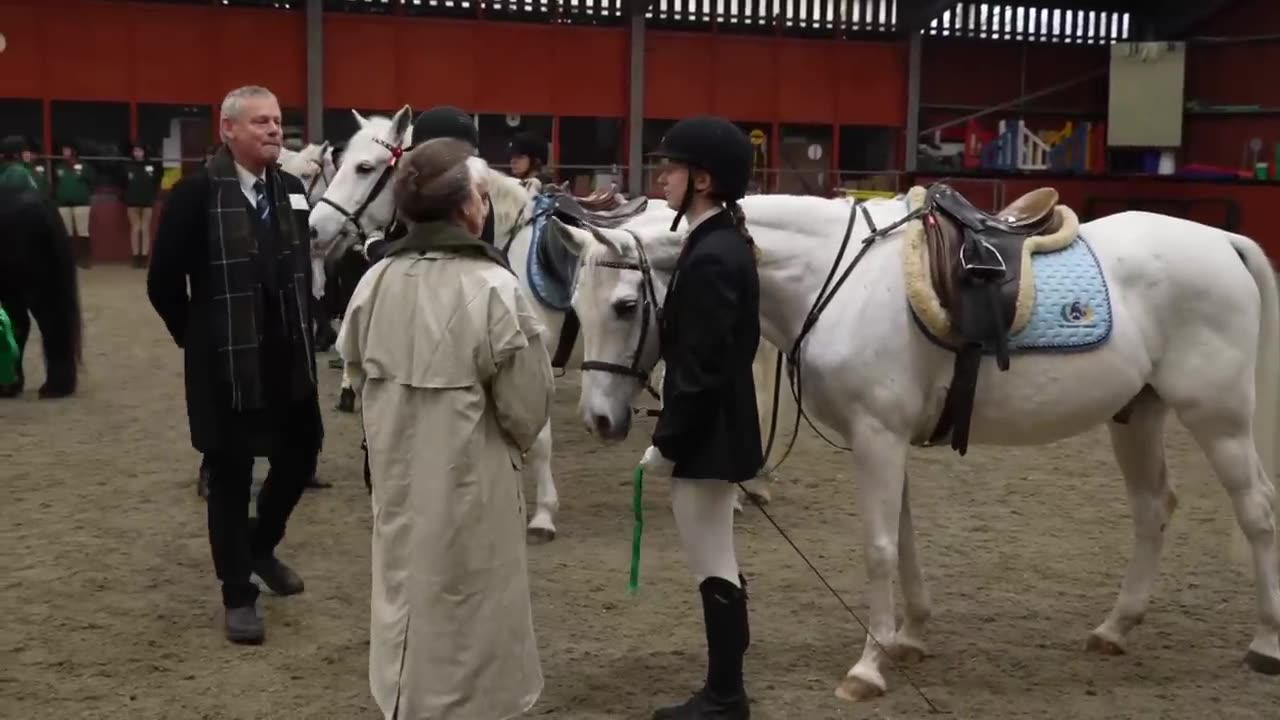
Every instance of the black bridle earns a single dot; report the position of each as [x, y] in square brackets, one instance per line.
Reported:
[649, 307]
[354, 217]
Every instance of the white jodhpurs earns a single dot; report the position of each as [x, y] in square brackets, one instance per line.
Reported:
[704, 519]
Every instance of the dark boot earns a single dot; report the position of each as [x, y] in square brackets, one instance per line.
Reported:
[347, 400]
[243, 625]
[276, 575]
[724, 696]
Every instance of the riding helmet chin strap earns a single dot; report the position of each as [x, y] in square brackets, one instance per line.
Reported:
[684, 204]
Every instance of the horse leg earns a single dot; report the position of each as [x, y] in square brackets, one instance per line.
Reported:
[59, 350]
[1215, 400]
[1231, 450]
[879, 465]
[908, 644]
[1139, 449]
[537, 462]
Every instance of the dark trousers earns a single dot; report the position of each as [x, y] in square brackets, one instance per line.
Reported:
[234, 545]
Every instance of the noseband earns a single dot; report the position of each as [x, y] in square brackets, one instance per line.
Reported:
[649, 305]
[353, 218]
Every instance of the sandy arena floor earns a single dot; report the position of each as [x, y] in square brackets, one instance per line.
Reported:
[110, 608]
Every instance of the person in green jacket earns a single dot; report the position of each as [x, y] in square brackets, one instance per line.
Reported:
[37, 169]
[12, 172]
[72, 190]
[142, 184]
[8, 351]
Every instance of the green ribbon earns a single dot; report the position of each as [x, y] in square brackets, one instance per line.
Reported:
[637, 528]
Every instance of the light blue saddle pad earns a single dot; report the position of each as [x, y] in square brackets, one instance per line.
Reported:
[1072, 312]
[552, 267]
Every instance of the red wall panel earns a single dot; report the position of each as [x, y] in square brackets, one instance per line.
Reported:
[84, 59]
[871, 79]
[361, 61]
[22, 64]
[676, 81]
[984, 73]
[794, 81]
[148, 53]
[385, 62]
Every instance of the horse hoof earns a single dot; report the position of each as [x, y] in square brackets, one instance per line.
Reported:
[1103, 646]
[347, 401]
[855, 689]
[10, 391]
[48, 393]
[1260, 663]
[540, 536]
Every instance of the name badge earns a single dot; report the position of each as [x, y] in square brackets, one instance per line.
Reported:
[298, 202]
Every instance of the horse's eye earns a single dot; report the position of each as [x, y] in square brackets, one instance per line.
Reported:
[364, 168]
[624, 308]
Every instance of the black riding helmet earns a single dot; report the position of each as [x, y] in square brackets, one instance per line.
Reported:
[528, 143]
[11, 147]
[445, 121]
[712, 144]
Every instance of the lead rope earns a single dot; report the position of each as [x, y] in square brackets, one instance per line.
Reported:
[893, 664]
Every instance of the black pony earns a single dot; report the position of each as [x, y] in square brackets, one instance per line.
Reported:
[38, 279]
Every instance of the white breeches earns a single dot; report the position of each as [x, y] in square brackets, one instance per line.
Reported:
[704, 519]
[140, 230]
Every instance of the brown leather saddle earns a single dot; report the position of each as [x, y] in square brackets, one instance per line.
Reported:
[975, 260]
[600, 201]
[969, 247]
[571, 207]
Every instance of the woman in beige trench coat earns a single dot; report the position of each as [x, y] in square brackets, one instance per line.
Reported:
[452, 367]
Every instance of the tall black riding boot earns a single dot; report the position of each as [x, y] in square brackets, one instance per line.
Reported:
[724, 696]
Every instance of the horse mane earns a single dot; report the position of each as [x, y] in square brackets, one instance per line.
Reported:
[509, 198]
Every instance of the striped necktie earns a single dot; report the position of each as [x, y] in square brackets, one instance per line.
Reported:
[264, 207]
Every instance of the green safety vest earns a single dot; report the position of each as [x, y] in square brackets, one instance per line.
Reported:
[8, 351]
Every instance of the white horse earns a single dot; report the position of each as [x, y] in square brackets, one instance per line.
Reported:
[1195, 331]
[313, 165]
[358, 205]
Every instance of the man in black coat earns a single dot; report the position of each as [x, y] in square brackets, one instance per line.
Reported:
[237, 233]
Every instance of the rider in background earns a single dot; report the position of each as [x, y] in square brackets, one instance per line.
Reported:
[442, 121]
[708, 437]
[13, 173]
[528, 154]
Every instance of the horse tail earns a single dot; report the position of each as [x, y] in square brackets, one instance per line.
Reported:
[1266, 422]
[62, 287]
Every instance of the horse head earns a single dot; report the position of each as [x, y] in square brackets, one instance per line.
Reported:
[358, 200]
[314, 166]
[621, 283]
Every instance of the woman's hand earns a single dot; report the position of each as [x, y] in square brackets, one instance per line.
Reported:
[655, 464]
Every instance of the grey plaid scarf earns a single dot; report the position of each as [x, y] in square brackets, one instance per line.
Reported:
[238, 315]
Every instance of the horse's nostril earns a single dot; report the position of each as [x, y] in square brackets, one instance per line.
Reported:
[602, 424]
[315, 234]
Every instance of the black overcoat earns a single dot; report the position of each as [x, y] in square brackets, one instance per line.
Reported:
[179, 288]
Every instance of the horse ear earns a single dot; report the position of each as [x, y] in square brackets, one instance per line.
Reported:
[577, 240]
[360, 118]
[400, 123]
